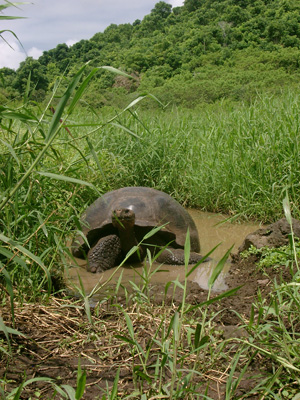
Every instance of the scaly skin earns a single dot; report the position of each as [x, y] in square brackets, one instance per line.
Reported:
[105, 254]
[176, 257]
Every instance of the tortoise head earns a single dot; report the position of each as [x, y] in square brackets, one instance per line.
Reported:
[123, 218]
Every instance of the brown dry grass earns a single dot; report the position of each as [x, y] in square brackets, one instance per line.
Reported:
[58, 334]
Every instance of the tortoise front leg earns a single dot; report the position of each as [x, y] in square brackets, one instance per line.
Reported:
[104, 254]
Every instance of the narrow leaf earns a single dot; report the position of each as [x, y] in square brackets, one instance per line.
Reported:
[228, 293]
[187, 248]
[66, 179]
[56, 119]
[95, 157]
[70, 391]
[125, 339]
[114, 390]
[28, 254]
[287, 209]
[116, 71]
[219, 268]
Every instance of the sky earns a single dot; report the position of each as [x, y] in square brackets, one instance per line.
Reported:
[48, 23]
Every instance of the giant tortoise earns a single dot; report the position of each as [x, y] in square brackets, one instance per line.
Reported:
[119, 220]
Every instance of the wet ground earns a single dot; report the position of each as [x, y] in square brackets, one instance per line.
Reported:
[213, 230]
[59, 334]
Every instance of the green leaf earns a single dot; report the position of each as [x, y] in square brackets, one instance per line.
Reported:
[11, 255]
[219, 268]
[228, 293]
[114, 390]
[153, 232]
[28, 253]
[70, 391]
[81, 381]
[66, 179]
[201, 261]
[287, 209]
[197, 335]
[9, 288]
[57, 116]
[95, 157]
[116, 71]
[81, 89]
[125, 129]
[125, 339]
[174, 324]
[11, 150]
[129, 324]
[187, 248]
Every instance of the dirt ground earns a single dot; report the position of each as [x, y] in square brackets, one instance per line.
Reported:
[58, 334]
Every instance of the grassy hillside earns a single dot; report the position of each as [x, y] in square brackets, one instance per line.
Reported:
[200, 52]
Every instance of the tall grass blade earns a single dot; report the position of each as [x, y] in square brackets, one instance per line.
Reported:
[50, 136]
[288, 215]
[219, 268]
[96, 159]
[116, 71]
[57, 116]
[287, 209]
[17, 391]
[153, 232]
[187, 248]
[129, 325]
[114, 389]
[70, 391]
[228, 293]
[125, 129]
[10, 290]
[81, 381]
[67, 179]
[30, 255]
[202, 260]
[12, 151]
[81, 89]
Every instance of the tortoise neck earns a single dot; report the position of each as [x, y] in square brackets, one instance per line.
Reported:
[128, 240]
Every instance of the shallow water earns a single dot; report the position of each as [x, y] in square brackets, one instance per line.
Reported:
[211, 233]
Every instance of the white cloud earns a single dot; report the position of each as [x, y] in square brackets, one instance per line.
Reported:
[70, 42]
[49, 23]
[176, 3]
[11, 56]
[35, 53]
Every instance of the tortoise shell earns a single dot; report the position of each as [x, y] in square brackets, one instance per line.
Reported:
[152, 208]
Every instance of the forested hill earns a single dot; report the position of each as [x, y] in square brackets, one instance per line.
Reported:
[202, 51]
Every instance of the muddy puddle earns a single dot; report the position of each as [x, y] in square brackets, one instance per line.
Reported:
[211, 232]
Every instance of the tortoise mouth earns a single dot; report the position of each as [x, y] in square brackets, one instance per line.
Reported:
[123, 217]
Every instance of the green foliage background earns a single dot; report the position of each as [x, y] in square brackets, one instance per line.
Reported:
[201, 52]
[227, 142]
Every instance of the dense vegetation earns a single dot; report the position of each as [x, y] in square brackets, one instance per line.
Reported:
[203, 51]
[235, 64]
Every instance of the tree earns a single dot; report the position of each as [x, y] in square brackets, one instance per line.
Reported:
[192, 5]
[33, 71]
[156, 19]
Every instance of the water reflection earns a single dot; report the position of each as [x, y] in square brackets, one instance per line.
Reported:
[210, 233]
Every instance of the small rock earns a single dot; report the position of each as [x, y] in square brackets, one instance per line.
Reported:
[263, 282]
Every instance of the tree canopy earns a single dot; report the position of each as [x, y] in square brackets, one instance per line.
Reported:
[171, 46]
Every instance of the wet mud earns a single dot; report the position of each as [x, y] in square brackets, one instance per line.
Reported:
[213, 230]
[57, 338]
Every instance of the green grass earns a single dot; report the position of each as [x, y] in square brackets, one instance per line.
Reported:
[239, 159]
[234, 158]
